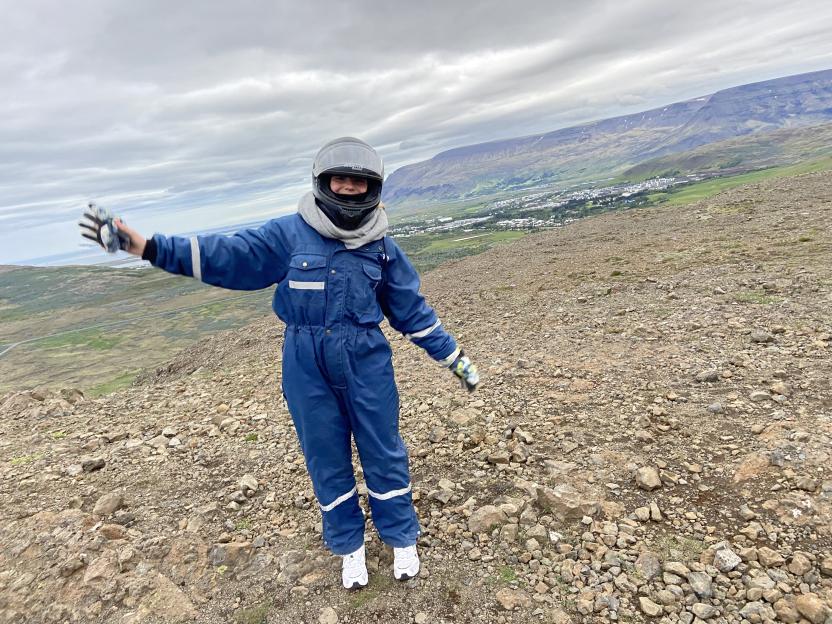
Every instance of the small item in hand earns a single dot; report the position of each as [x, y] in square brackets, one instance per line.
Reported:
[463, 368]
[100, 227]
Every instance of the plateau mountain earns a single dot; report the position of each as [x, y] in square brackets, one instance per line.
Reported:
[609, 147]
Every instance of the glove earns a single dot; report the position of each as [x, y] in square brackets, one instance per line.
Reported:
[99, 227]
[463, 368]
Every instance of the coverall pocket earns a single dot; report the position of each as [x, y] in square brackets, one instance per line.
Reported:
[364, 293]
[307, 287]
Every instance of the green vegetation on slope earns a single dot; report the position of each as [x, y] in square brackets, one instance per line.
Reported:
[782, 147]
[700, 190]
[95, 327]
[427, 251]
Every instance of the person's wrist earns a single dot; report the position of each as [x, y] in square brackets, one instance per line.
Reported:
[148, 250]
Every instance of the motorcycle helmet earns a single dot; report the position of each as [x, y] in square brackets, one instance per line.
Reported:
[347, 156]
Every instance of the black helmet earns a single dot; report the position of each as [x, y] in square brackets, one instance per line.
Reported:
[347, 156]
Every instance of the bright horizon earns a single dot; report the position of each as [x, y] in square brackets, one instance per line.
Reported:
[200, 117]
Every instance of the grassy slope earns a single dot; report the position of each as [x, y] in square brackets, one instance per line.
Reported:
[700, 190]
[96, 327]
[786, 146]
[429, 250]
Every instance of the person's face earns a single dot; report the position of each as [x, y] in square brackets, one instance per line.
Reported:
[347, 185]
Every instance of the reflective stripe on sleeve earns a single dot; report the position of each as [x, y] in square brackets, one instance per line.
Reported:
[389, 494]
[424, 332]
[450, 359]
[195, 259]
[306, 285]
[338, 500]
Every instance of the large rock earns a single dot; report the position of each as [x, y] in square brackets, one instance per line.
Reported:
[486, 518]
[464, 416]
[701, 584]
[328, 615]
[707, 375]
[501, 456]
[769, 558]
[108, 504]
[566, 502]
[102, 569]
[510, 599]
[91, 464]
[20, 401]
[647, 478]
[757, 611]
[232, 555]
[786, 611]
[704, 611]
[211, 511]
[248, 485]
[800, 564]
[812, 608]
[806, 483]
[726, 560]
[165, 603]
[648, 565]
[159, 442]
[761, 336]
[648, 607]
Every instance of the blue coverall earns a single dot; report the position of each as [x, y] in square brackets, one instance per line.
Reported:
[337, 365]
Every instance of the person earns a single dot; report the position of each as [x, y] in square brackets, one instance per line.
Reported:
[338, 274]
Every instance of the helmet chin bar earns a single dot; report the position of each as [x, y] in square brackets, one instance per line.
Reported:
[346, 219]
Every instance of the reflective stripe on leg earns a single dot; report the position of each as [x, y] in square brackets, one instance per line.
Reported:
[390, 494]
[338, 500]
[423, 332]
[450, 359]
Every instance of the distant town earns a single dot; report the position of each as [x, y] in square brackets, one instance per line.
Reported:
[544, 209]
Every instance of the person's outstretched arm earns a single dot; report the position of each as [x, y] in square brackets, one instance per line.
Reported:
[248, 260]
[408, 312]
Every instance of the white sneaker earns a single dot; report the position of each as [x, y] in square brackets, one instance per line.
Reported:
[354, 570]
[405, 563]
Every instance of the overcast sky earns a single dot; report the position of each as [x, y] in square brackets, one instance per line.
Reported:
[193, 114]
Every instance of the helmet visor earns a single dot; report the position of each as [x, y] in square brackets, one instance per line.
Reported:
[348, 156]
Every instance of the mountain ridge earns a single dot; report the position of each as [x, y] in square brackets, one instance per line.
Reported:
[607, 147]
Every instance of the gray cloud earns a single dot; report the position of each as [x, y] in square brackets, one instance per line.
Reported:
[210, 112]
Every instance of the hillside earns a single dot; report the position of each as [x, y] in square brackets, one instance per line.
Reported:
[94, 327]
[608, 147]
[785, 146]
[651, 438]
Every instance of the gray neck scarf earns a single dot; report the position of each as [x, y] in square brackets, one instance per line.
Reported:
[373, 228]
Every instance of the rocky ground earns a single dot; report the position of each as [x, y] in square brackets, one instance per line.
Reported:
[650, 442]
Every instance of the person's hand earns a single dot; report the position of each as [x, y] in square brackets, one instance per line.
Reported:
[111, 233]
[463, 368]
[136, 241]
